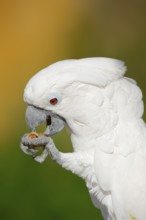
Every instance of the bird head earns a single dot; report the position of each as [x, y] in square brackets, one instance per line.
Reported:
[73, 92]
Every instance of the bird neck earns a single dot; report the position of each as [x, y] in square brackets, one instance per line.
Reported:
[124, 138]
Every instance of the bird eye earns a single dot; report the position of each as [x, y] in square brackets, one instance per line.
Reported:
[54, 98]
[53, 101]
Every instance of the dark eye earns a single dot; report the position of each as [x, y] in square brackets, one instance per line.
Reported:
[54, 98]
[53, 101]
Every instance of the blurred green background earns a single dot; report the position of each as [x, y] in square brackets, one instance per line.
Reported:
[34, 34]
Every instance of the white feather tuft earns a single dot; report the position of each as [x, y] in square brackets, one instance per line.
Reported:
[95, 71]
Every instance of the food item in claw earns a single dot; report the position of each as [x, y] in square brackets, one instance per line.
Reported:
[35, 145]
[33, 135]
[36, 140]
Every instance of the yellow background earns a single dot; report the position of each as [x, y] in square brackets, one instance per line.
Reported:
[34, 34]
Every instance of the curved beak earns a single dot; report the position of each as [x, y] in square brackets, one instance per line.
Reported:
[35, 117]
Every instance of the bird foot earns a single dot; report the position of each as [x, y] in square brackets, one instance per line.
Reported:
[33, 144]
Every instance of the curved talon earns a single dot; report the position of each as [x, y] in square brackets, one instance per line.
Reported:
[33, 156]
[33, 151]
[25, 149]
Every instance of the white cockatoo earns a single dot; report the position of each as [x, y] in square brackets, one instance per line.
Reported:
[103, 111]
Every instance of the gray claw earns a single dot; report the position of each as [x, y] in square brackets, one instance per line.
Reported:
[39, 141]
[27, 146]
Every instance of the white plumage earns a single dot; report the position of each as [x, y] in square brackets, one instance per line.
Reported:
[103, 111]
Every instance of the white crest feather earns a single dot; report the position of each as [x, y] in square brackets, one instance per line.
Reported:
[95, 71]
